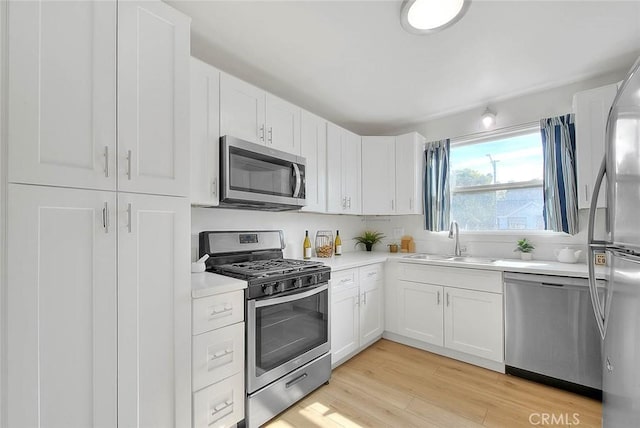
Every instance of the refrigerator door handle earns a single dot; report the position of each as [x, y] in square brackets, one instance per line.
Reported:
[598, 310]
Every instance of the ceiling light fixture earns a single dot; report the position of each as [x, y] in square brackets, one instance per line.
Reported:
[429, 16]
[488, 118]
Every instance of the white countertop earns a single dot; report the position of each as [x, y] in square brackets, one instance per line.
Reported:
[207, 284]
[544, 267]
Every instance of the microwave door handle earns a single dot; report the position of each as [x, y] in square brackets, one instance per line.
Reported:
[296, 171]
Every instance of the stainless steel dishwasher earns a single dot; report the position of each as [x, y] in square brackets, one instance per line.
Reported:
[551, 333]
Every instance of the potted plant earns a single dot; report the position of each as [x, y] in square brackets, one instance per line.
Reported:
[525, 247]
[369, 238]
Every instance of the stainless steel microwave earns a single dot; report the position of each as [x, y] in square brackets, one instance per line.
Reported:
[253, 176]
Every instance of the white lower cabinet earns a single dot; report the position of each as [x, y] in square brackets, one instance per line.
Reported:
[218, 360]
[357, 318]
[421, 314]
[452, 308]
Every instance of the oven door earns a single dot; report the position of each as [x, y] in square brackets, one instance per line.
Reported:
[256, 174]
[284, 333]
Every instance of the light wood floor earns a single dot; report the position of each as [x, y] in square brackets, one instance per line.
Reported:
[392, 385]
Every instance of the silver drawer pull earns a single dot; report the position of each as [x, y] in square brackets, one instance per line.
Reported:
[345, 280]
[372, 274]
[221, 310]
[221, 354]
[218, 408]
[296, 380]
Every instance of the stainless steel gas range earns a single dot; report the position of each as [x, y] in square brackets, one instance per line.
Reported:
[287, 313]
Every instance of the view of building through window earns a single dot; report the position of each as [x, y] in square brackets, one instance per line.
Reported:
[497, 184]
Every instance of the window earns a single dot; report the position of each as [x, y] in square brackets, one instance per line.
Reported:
[496, 184]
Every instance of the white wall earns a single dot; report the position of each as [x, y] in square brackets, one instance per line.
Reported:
[293, 223]
[512, 111]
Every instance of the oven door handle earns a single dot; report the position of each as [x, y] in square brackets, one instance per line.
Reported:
[291, 297]
[296, 170]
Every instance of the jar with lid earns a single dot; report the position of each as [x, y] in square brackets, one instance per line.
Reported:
[324, 243]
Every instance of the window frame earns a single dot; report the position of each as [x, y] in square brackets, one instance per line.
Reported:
[487, 136]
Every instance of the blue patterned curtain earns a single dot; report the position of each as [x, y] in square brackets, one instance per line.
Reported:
[436, 186]
[559, 187]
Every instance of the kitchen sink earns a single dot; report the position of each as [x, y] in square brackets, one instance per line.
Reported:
[450, 258]
[464, 259]
[427, 257]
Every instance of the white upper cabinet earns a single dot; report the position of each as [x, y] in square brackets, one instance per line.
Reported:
[592, 110]
[282, 125]
[344, 181]
[62, 93]
[242, 110]
[61, 308]
[378, 175]
[205, 134]
[154, 318]
[409, 173]
[314, 150]
[249, 113]
[153, 98]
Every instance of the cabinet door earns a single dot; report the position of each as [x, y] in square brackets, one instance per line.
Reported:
[283, 125]
[205, 134]
[345, 321]
[314, 150]
[473, 323]
[592, 111]
[153, 98]
[371, 308]
[154, 321]
[242, 110]
[335, 198]
[378, 175]
[420, 315]
[62, 93]
[351, 172]
[61, 308]
[409, 173]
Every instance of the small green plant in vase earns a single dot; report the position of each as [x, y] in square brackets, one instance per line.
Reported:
[369, 238]
[525, 247]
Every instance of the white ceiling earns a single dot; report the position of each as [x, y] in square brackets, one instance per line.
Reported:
[352, 63]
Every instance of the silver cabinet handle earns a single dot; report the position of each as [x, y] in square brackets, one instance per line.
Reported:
[219, 408]
[344, 202]
[586, 192]
[129, 220]
[128, 164]
[438, 301]
[262, 133]
[214, 187]
[364, 295]
[410, 203]
[392, 205]
[106, 161]
[349, 202]
[271, 135]
[221, 354]
[105, 217]
[218, 310]
[358, 300]
[447, 299]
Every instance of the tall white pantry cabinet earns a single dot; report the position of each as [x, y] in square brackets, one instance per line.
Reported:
[98, 291]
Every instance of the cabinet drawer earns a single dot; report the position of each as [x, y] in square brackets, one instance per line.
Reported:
[344, 279]
[371, 273]
[217, 311]
[219, 405]
[217, 355]
[471, 279]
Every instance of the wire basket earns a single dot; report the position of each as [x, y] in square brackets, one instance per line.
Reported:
[324, 243]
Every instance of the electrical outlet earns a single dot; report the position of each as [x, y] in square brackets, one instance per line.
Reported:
[600, 259]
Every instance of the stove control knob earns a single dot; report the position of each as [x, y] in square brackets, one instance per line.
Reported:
[280, 286]
[314, 279]
[268, 289]
[297, 283]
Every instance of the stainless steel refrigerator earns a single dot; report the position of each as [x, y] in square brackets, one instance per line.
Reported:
[618, 314]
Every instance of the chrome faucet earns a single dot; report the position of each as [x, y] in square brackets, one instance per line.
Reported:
[455, 230]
